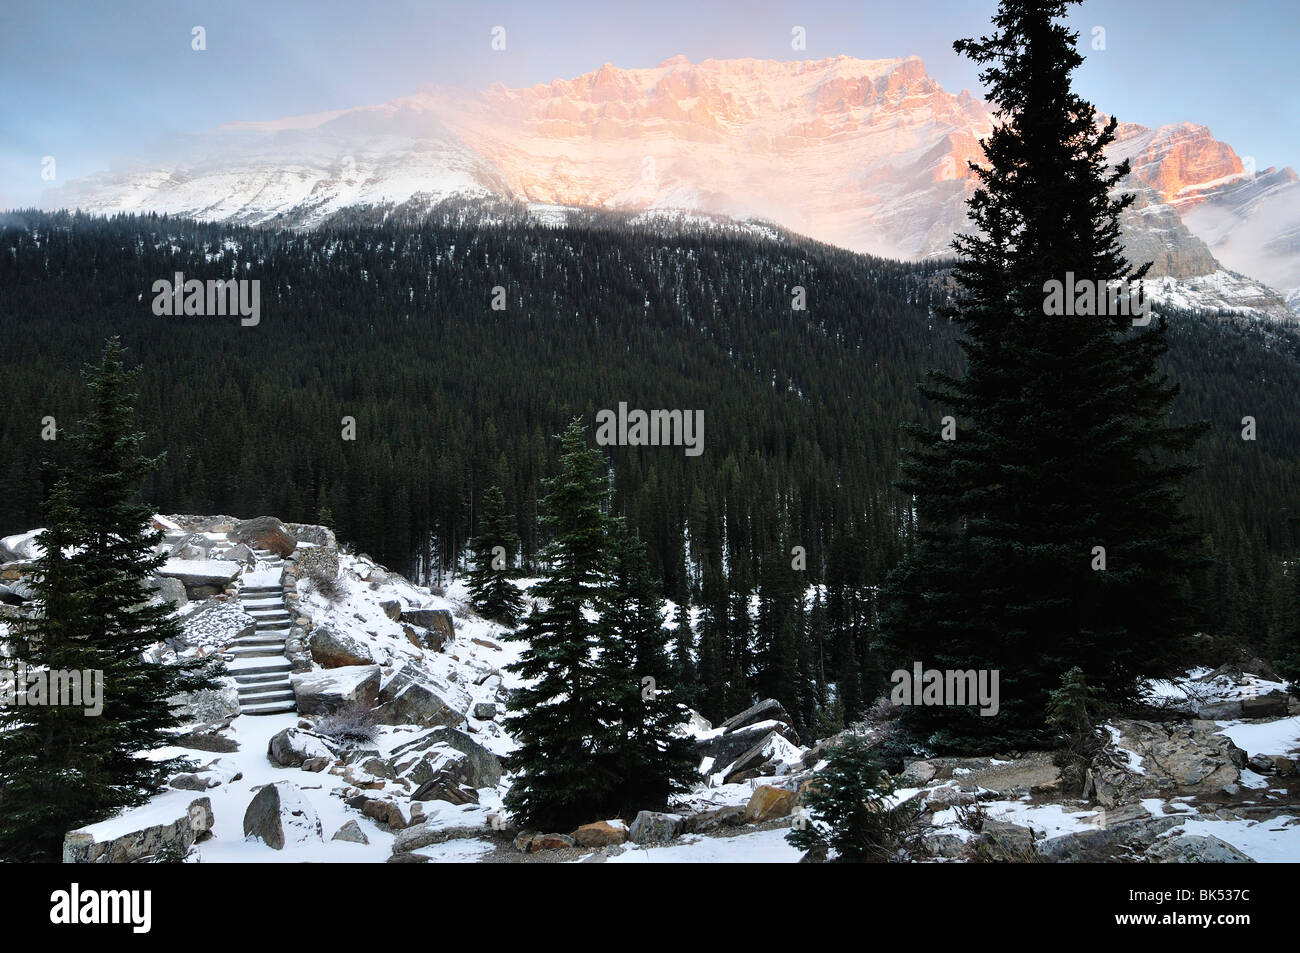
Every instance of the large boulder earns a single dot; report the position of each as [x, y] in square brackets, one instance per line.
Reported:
[412, 695]
[724, 749]
[767, 757]
[484, 766]
[1160, 758]
[21, 547]
[731, 815]
[83, 847]
[654, 827]
[201, 577]
[292, 747]
[1186, 848]
[214, 707]
[333, 649]
[216, 623]
[601, 834]
[769, 709]
[768, 802]
[437, 621]
[328, 691]
[168, 589]
[1109, 841]
[265, 532]
[446, 786]
[1005, 842]
[243, 554]
[280, 815]
[424, 834]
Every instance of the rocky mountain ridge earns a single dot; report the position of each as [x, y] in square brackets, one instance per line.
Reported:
[870, 155]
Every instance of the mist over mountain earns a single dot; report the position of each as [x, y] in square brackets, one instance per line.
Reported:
[869, 155]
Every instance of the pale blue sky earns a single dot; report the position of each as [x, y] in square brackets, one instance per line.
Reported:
[90, 81]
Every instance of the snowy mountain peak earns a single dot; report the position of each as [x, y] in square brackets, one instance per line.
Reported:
[870, 155]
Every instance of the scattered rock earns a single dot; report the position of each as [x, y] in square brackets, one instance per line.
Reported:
[1195, 849]
[241, 554]
[730, 816]
[325, 692]
[653, 827]
[336, 649]
[206, 741]
[422, 835]
[407, 859]
[768, 802]
[919, 772]
[725, 749]
[168, 589]
[485, 767]
[209, 707]
[265, 532]
[194, 782]
[1282, 766]
[1190, 757]
[80, 846]
[293, 748]
[352, 833]
[943, 844]
[199, 574]
[485, 711]
[1004, 841]
[439, 622]
[280, 814]
[769, 709]
[445, 786]
[601, 834]
[414, 696]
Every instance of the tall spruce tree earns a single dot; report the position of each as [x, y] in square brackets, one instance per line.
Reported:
[61, 768]
[494, 595]
[557, 715]
[1063, 442]
[637, 681]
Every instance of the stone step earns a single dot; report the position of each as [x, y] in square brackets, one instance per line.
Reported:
[278, 677]
[268, 609]
[276, 628]
[266, 696]
[262, 591]
[257, 651]
[263, 639]
[273, 708]
[279, 667]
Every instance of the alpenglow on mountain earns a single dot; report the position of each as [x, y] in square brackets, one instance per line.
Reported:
[870, 155]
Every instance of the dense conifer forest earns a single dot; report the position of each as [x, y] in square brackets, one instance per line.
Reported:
[391, 323]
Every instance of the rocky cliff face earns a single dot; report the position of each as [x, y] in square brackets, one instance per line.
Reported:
[870, 155]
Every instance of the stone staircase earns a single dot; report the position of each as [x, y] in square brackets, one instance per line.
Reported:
[257, 661]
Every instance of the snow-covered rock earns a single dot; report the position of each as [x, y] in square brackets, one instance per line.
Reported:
[281, 816]
[325, 691]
